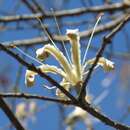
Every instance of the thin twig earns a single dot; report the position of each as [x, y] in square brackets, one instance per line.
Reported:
[63, 13]
[59, 38]
[33, 96]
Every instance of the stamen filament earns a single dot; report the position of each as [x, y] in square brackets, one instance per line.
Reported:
[60, 34]
[48, 35]
[90, 39]
[48, 87]
[32, 58]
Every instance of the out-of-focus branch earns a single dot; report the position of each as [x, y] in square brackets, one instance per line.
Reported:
[29, 5]
[58, 38]
[38, 6]
[10, 115]
[32, 96]
[34, 6]
[63, 13]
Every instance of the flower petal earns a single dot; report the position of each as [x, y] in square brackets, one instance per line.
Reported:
[52, 69]
[41, 54]
[105, 63]
[50, 49]
[73, 35]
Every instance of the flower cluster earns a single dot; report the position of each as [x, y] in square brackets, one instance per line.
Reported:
[72, 72]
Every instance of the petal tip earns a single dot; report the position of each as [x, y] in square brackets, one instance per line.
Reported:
[29, 78]
[72, 33]
[41, 54]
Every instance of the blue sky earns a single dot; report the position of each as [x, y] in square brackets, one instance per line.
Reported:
[49, 117]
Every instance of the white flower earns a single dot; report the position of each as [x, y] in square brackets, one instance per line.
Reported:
[72, 72]
[40, 54]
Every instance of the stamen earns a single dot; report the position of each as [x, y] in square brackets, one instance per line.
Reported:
[60, 34]
[90, 39]
[32, 58]
[48, 35]
[46, 86]
[85, 73]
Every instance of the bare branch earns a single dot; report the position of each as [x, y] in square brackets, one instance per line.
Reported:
[63, 13]
[32, 96]
[10, 115]
[87, 107]
[30, 6]
[58, 38]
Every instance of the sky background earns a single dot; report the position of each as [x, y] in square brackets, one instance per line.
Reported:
[116, 101]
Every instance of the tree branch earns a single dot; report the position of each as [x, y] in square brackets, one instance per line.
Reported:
[63, 13]
[87, 107]
[58, 38]
[32, 96]
[10, 115]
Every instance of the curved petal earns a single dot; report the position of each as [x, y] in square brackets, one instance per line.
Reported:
[74, 38]
[41, 55]
[30, 75]
[61, 59]
[105, 63]
[52, 69]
